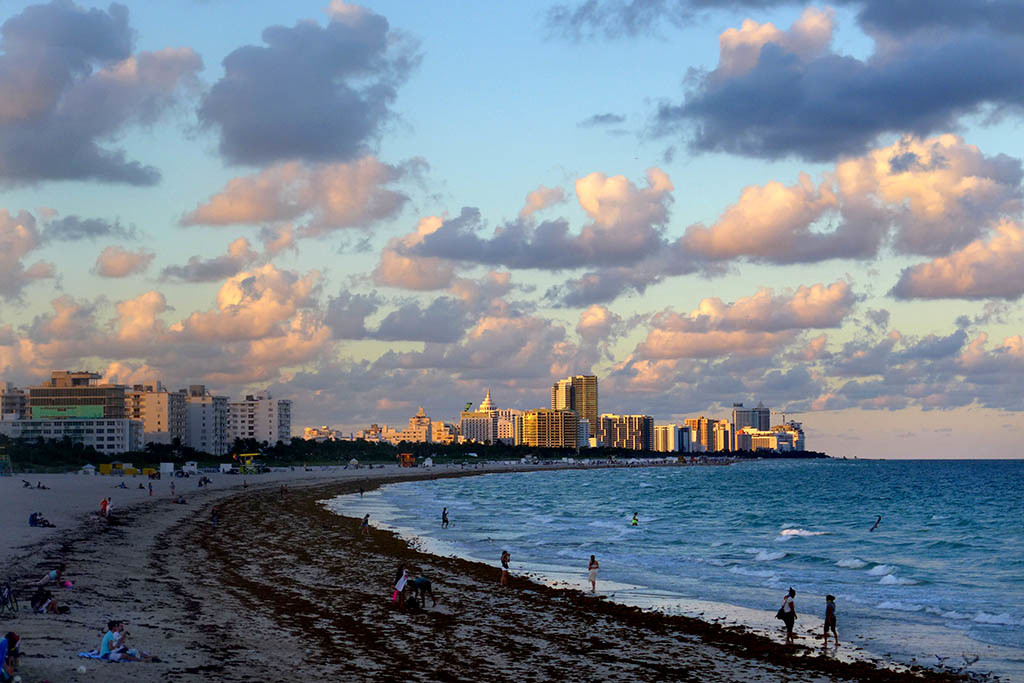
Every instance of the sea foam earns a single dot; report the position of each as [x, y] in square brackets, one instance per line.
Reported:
[881, 570]
[852, 563]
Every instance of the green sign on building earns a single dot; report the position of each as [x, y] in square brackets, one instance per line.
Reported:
[57, 412]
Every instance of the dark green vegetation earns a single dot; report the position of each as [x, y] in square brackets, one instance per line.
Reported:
[53, 455]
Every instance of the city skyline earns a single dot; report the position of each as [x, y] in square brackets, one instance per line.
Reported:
[367, 208]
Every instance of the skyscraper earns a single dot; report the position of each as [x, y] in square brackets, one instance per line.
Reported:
[577, 393]
[635, 432]
[544, 428]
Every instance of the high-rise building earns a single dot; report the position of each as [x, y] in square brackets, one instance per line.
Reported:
[578, 393]
[206, 421]
[759, 418]
[510, 426]
[672, 438]
[544, 428]
[796, 433]
[108, 437]
[722, 435]
[445, 432]
[13, 402]
[76, 395]
[700, 432]
[562, 396]
[161, 412]
[420, 430]
[260, 416]
[583, 433]
[480, 425]
[634, 432]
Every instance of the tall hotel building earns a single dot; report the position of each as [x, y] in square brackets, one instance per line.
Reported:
[263, 418]
[577, 393]
[545, 428]
[206, 421]
[161, 412]
[633, 432]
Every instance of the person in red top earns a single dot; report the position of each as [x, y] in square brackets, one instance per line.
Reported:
[103, 507]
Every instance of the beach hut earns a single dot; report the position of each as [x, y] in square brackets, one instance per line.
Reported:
[428, 462]
[87, 469]
[353, 462]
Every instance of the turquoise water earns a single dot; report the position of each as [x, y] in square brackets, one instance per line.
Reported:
[943, 573]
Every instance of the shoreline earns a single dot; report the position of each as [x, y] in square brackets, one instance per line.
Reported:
[283, 585]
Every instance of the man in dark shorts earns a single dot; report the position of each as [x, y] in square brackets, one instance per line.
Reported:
[444, 518]
[830, 619]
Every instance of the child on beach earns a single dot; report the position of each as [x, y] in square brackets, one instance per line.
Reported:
[830, 619]
[56, 575]
[9, 655]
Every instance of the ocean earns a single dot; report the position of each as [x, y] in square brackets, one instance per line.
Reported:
[940, 580]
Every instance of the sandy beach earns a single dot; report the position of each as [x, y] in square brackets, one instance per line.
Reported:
[284, 589]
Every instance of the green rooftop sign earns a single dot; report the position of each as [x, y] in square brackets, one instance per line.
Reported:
[57, 412]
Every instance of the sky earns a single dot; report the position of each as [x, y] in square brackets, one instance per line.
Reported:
[367, 208]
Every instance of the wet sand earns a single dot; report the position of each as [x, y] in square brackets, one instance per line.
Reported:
[285, 590]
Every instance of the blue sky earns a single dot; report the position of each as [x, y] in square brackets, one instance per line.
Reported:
[814, 206]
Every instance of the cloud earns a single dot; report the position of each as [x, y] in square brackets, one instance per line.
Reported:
[819, 105]
[310, 92]
[18, 238]
[740, 49]
[598, 324]
[983, 269]
[69, 83]
[540, 199]
[327, 196]
[116, 261]
[72, 228]
[930, 195]
[240, 255]
[608, 119]
[395, 269]
[757, 325]
[626, 224]
[632, 18]
[444, 320]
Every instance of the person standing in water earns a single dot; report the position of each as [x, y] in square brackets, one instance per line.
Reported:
[830, 619]
[505, 559]
[636, 522]
[592, 573]
[444, 518]
[788, 614]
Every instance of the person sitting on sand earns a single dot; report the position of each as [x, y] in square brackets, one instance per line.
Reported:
[420, 587]
[788, 614]
[9, 655]
[54, 575]
[113, 646]
[26, 484]
[830, 619]
[42, 601]
[39, 485]
[505, 559]
[37, 519]
[180, 500]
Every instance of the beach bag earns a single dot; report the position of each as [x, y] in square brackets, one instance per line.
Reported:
[780, 614]
[394, 596]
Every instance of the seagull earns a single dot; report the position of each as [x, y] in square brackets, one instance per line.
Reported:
[942, 661]
[970, 659]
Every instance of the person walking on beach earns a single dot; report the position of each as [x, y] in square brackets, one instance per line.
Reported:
[364, 526]
[505, 559]
[444, 518]
[830, 619]
[788, 614]
[150, 489]
[213, 514]
[172, 488]
[103, 507]
[401, 579]
[592, 573]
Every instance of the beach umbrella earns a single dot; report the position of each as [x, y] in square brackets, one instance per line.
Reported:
[353, 461]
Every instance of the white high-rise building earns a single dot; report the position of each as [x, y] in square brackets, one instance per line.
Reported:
[510, 426]
[206, 421]
[261, 417]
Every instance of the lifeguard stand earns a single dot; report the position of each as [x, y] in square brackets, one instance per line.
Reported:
[245, 465]
[406, 459]
[6, 468]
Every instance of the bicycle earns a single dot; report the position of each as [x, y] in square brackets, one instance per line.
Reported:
[8, 598]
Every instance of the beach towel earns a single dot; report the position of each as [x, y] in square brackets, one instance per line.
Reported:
[95, 654]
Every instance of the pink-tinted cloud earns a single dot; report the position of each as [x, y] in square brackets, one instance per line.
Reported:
[597, 324]
[18, 238]
[396, 269]
[323, 197]
[115, 261]
[740, 49]
[239, 256]
[983, 269]
[540, 199]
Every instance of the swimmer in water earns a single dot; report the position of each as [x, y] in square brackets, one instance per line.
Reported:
[877, 522]
[636, 521]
